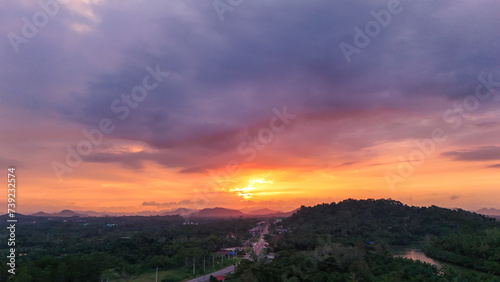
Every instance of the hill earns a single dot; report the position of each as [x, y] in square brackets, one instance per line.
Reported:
[263, 212]
[41, 213]
[218, 212]
[497, 217]
[285, 214]
[487, 211]
[180, 211]
[391, 220]
[63, 213]
[353, 238]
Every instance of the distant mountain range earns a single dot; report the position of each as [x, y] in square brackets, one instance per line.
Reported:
[487, 211]
[180, 211]
[263, 211]
[204, 213]
[63, 213]
[217, 212]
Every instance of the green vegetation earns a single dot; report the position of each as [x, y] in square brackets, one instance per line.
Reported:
[346, 241]
[480, 250]
[350, 241]
[121, 248]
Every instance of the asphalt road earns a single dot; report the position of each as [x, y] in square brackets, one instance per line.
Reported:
[206, 277]
[257, 248]
[261, 244]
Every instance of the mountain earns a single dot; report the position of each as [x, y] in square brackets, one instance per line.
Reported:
[487, 211]
[180, 211]
[208, 212]
[41, 213]
[263, 212]
[217, 212]
[63, 213]
[270, 213]
[93, 213]
[146, 213]
[285, 214]
[67, 213]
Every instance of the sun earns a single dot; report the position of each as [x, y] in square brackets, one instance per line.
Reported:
[248, 191]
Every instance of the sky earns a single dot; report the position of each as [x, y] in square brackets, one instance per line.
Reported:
[125, 106]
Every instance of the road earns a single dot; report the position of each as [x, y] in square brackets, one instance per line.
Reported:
[257, 248]
[206, 277]
[261, 244]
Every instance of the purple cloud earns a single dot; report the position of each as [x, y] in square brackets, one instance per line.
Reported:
[228, 76]
[484, 153]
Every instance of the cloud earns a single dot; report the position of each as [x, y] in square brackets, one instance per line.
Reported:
[5, 162]
[201, 170]
[454, 197]
[494, 166]
[347, 164]
[226, 78]
[170, 204]
[483, 153]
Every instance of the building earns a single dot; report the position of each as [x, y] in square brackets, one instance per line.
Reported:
[220, 278]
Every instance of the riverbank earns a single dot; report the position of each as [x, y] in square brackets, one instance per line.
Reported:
[415, 252]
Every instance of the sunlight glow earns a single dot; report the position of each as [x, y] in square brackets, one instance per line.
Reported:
[245, 191]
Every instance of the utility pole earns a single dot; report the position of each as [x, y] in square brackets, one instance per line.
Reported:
[213, 262]
[203, 265]
[222, 259]
[157, 273]
[194, 266]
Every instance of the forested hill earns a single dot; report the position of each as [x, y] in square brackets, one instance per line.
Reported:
[386, 219]
[351, 241]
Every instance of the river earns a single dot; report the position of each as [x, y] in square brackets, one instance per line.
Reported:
[415, 253]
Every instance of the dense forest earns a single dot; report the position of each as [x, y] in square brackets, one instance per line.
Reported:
[95, 248]
[351, 241]
[479, 250]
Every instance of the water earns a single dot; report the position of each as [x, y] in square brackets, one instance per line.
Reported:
[416, 254]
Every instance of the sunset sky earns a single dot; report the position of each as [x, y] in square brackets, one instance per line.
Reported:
[127, 106]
